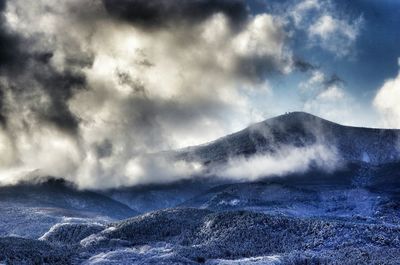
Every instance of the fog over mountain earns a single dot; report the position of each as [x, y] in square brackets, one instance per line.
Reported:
[294, 142]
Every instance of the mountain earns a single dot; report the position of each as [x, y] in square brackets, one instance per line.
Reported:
[369, 171]
[348, 214]
[300, 129]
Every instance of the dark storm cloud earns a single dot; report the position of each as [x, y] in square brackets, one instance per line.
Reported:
[256, 68]
[160, 13]
[37, 77]
[11, 54]
[23, 66]
[60, 88]
[104, 149]
[2, 110]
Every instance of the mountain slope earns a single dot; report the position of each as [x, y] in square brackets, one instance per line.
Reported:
[193, 236]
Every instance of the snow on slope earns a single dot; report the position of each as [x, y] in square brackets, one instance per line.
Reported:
[193, 236]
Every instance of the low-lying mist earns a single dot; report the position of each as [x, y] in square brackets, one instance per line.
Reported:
[286, 161]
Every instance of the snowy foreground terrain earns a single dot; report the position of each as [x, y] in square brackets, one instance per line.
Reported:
[346, 213]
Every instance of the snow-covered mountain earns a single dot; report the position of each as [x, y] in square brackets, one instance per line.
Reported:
[346, 215]
[198, 236]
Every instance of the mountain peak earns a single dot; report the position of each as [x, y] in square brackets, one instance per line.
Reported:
[298, 116]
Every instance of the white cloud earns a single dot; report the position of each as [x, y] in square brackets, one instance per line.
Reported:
[316, 80]
[387, 101]
[299, 11]
[288, 160]
[264, 38]
[326, 97]
[326, 27]
[335, 35]
[332, 93]
[332, 104]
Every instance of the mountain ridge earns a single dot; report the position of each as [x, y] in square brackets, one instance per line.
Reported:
[295, 115]
[300, 129]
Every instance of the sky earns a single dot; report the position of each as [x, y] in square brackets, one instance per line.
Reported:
[87, 87]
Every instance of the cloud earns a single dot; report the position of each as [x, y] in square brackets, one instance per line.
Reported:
[34, 91]
[331, 93]
[102, 84]
[316, 79]
[11, 53]
[326, 95]
[300, 9]
[325, 26]
[303, 66]
[386, 101]
[162, 13]
[140, 169]
[334, 35]
[287, 160]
